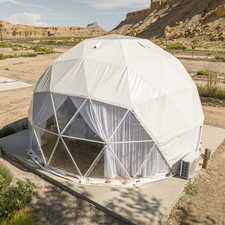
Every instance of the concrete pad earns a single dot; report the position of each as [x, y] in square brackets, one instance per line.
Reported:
[10, 84]
[212, 137]
[147, 204]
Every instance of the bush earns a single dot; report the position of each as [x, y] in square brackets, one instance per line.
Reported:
[211, 89]
[28, 55]
[42, 50]
[5, 176]
[14, 198]
[203, 73]
[205, 91]
[21, 217]
[176, 46]
[220, 59]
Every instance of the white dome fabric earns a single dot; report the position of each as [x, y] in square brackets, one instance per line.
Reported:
[118, 78]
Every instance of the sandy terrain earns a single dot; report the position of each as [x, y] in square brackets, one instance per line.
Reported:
[204, 201]
[195, 66]
[15, 104]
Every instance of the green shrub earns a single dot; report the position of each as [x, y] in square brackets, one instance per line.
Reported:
[176, 46]
[205, 91]
[5, 176]
[42, 50]
[220, 59]
[61, 42]
[14, 198]
[21, 217]
[211, 89]
[28, 55]
[203, 72]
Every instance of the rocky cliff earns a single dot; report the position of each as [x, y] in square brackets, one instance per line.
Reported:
[177, 19]
[16, 31]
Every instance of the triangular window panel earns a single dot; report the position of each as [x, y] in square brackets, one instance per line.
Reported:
[108, 117]
[132, 155]
[61, 160]
[130, 130]
[44, 83]
[113, 168]
[108, 166]
[47, 142]
[43, 113]
[84, 153]
[84, 125]
[98, 168]
[154, 165]
[66, 107]
[34, 145]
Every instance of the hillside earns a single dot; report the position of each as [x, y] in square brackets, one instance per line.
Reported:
[177, 19]
[17, 31]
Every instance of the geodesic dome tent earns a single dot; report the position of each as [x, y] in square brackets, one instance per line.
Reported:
[115, 107]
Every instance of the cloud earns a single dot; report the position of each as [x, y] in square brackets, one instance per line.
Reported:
[112, 4]
[22, 3]
[9, 1]
[26, 18]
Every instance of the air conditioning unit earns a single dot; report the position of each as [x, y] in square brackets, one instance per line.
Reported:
[189, 164]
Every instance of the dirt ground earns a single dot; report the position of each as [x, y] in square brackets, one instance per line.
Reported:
[205, 204]
[204, 201]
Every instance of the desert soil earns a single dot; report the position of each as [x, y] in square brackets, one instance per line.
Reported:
[206, 206]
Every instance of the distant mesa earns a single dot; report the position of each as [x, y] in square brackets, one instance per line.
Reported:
[17, 31]
[94, 26]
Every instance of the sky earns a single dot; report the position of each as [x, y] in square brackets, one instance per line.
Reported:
[108, 13]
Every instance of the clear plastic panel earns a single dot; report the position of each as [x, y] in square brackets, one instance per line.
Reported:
[130, 130]
[108, 118]
[43, 113]
[47, 142]
[62, 160]
[84, 125]
[65, 107]
[113, 168]
[155, 164]
[98, 168]
[132, 155]
[84, 153]
[44, 83]
[34, 145]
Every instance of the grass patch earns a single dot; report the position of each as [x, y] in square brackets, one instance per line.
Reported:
[21, 217]
[37, 50]
[190, 189]
[203, 73]
[61, 42]
[211, 89]
[5, 176]
[41, 50]
[176, 46]
[2, 57]
[219, 59]
[205, 91]
[14, 199]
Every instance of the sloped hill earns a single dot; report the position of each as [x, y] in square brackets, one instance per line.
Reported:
[178, 18]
